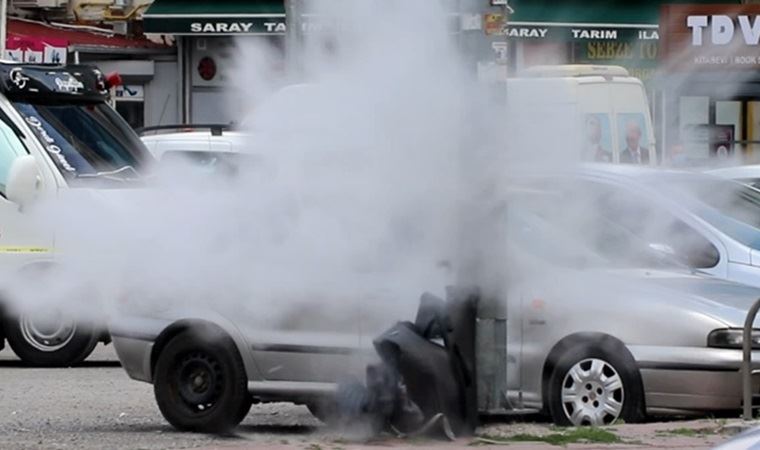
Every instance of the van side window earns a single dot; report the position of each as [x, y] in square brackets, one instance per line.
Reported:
[658, 227]
[11, 147]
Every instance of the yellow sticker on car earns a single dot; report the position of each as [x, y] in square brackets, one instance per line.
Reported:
[25, 249]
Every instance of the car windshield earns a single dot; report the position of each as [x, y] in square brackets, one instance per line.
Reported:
[729, 206]
[87, 142]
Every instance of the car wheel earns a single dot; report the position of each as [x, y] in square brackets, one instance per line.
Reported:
[49, 339]
[200, 382]
[595, 385]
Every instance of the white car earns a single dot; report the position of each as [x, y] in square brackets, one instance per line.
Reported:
[58, 138]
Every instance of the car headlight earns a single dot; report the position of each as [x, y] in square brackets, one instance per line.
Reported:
[731, 338]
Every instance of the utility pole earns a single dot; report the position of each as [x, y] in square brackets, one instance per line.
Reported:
[293, 36]
[3, 26]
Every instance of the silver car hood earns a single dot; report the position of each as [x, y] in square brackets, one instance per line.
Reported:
[724, 300]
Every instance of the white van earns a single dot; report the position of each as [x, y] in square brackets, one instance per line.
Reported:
[57, 133]
[600, 110]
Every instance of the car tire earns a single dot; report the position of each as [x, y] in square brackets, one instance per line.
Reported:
[595, 383]
[56, 343]
[200, 382]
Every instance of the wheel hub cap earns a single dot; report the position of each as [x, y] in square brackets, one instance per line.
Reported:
[47, 332]
[200, 381]
[592, 393]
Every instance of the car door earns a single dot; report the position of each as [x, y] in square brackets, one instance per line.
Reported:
[303, 339]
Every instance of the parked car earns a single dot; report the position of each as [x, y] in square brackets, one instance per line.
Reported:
[600, 325]
[59, 137]
[749, 174]
[708, 223]
[197, 141]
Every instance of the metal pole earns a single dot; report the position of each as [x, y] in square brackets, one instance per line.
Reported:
[293, 12]
[3, 26]
[747, 360]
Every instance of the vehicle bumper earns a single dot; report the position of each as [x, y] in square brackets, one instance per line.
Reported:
[693, 379]
[133, 340]
[134, 354]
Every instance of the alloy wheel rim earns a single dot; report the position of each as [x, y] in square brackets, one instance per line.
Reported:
[592, 393]
[49, 332]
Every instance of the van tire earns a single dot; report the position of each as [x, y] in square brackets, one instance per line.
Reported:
[200, 382]
[614, 362]
[71, 347]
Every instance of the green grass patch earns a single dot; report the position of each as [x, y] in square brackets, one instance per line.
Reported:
[683, 432]
[585, 435]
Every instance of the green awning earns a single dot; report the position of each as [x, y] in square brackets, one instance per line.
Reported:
[217, 17]
[611, 12]
[581, 20]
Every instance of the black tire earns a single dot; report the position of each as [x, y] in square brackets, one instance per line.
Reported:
[612, 359]
[200, 382]
[70, 347]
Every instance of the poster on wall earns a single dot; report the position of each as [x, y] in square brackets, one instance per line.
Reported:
[713, 141]
[36, 50]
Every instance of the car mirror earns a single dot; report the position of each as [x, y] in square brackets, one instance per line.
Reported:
[24, 180]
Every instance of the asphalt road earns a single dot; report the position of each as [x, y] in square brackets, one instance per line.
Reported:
[96, 406]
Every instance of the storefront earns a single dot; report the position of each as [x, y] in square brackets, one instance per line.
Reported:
[146, 67]
[710, 61]
[207, 36]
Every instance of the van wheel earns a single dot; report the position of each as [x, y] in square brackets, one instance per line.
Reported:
[49, 339]
[595, 384]
[200, 382]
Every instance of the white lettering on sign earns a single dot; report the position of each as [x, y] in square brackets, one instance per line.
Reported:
[750, 31]
[594, 34]
[649, 35]
[50, 146]
[723, 29]
[275, 27]
[71, 84]
[527, 32]
[221, 27]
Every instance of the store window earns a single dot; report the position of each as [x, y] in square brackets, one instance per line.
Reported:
[130, 104]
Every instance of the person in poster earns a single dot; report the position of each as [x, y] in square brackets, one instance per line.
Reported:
[595, 136]
[635, 151]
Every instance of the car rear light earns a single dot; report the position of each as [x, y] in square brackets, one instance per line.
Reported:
[731, 338]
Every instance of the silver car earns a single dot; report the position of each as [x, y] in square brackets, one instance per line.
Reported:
[601, 325]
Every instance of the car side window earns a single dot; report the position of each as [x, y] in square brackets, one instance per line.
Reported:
[11, 147]
[655, 225]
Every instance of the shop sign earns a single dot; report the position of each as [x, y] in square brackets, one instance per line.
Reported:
[493, 23]
[711, 37]
[554, 32]
[638, 56]
[218, 26]
[131, 92]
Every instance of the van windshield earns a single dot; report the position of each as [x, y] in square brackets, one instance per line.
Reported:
[87, 141]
